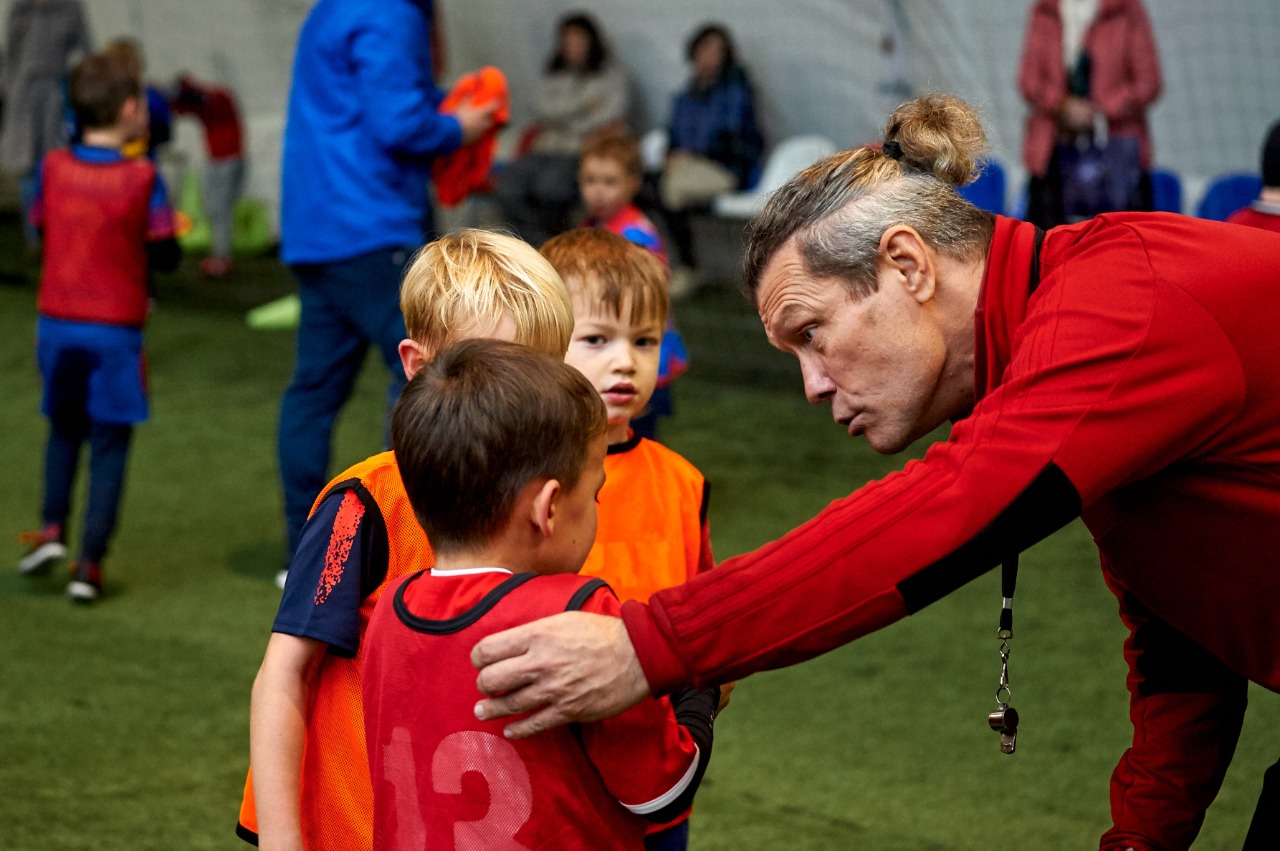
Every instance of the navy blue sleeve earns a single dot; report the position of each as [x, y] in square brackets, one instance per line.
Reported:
[322, 597]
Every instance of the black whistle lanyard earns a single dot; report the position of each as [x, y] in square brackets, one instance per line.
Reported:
[1004, 719]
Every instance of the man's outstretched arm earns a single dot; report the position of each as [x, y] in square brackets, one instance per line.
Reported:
[574, 666]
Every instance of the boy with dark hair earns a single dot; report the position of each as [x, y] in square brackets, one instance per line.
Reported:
[501, 450]
[309, 786]
[106, 222]
[653, 530]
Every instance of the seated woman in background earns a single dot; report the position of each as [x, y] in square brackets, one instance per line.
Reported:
[581, 93]
[715, 144]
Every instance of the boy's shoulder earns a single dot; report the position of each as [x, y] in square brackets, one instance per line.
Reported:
[444, 603]
[652, 458]
[103, 157]
[381, 468]
[632, 219]
[74, 162]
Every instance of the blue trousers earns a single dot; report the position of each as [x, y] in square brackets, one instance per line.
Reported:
[108, 453]
[672, 839]
[346, 306]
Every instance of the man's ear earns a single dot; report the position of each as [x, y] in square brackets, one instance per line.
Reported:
[542, 509]
[904, 250]
[413, 356]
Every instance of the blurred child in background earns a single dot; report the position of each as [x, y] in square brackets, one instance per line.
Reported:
[105, 220]
[1264, 212]
[609, 177]
[224, 173]
[159, 119]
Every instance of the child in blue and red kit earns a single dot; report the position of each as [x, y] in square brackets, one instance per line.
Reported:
[609, 176]
[106, 221]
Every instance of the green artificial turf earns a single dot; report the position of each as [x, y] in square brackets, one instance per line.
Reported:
[124, 725]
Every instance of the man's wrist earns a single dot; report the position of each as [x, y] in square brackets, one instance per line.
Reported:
[663, 669]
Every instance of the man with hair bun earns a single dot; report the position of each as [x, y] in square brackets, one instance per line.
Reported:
[1118, 370]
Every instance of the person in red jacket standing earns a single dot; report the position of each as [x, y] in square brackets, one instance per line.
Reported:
[224, 173]
[1122, 370]
[1086, 65]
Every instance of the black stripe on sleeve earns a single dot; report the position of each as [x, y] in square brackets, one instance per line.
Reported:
[1045, 506]
[706, 503]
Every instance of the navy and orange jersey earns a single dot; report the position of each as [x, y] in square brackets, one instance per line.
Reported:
[362, 534]
[1136, 388]
[652, 529]
[443, 779]
[98, 210]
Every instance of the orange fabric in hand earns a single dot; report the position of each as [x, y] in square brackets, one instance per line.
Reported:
[466, 170]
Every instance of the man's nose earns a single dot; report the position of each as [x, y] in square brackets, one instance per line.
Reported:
[818, 386]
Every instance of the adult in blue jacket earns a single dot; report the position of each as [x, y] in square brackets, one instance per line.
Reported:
[363, 128]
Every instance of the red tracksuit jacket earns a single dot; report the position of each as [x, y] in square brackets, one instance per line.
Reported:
[1138, 388]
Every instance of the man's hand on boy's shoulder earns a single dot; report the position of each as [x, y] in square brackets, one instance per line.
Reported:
[574, 666]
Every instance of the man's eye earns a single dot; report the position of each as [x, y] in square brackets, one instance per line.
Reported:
[807, 335]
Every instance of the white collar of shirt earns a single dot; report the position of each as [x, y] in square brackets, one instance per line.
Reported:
[470, 571]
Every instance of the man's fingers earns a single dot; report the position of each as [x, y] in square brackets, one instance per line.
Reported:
[500, 706]
[537, 723]
[501, 645]
[506, 676]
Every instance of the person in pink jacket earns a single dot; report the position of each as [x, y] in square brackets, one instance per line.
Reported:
[1085, 64]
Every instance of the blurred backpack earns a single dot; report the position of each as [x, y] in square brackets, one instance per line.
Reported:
[1099, 174]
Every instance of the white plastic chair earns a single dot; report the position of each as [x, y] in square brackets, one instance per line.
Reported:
[788, 157]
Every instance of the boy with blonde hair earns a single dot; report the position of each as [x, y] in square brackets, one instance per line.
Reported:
[309, 784]
[502, 449]
[653, 530]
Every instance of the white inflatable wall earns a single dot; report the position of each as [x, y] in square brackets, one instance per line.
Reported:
[828, 66]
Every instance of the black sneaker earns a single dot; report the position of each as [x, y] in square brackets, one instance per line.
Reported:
[86, 581]
[46, 548]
